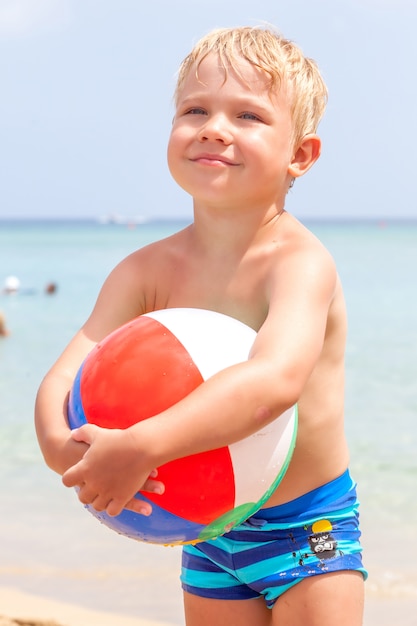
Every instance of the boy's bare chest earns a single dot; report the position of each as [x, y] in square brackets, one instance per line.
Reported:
[239, 291]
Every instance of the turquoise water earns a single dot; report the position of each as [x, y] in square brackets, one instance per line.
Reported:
[49, 545]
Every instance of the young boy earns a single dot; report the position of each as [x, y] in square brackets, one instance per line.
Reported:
[248, 104]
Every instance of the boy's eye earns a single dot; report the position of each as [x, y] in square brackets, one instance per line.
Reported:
[196, 111]
[249, 116]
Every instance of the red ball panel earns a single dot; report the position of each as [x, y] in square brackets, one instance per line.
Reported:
[140, 370]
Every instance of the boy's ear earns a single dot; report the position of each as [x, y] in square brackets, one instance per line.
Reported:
[305, 156]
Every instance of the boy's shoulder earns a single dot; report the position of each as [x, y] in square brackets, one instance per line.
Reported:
[299, 237]
[170, 244]
[301, 252]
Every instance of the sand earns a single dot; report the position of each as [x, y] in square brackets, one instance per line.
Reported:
[22, 609]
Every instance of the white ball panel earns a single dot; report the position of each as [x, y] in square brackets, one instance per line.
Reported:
[258, 459]
[213, 340]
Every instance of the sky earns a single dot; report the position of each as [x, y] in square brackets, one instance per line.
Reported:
[86, 103]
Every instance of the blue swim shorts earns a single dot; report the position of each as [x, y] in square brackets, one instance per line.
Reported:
[279, 546]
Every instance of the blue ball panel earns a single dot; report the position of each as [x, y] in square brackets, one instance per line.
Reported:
[76, 417]
[160, 527]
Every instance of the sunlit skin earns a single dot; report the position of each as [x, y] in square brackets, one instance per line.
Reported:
[231, 149]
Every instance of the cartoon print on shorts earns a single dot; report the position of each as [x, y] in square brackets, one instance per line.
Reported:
[322, 544]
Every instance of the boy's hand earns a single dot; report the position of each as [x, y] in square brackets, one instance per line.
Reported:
[111, 472]
[64, 451]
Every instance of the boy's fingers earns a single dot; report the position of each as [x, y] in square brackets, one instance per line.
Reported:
[87, 496]
[153, 486]
[84, 433]
[139, 506]
[70, 477]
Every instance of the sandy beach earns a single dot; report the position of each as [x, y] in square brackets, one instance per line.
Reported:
[382, 611]
[22, 609]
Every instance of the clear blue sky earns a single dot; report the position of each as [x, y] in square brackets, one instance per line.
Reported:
[86, 103]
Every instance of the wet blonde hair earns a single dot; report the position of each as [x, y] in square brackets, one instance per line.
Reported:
[282, 61]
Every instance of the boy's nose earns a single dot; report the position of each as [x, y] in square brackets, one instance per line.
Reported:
[216, 128]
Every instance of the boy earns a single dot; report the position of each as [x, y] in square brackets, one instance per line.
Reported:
[248, 104]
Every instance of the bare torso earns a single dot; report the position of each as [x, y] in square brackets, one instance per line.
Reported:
[240, 286]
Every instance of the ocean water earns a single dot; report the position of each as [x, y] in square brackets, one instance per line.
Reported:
[50, 545]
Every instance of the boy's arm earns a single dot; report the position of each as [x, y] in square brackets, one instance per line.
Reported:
[113, 308]
[231, 405]
[58, 444]
[54, 436]
[115, 305]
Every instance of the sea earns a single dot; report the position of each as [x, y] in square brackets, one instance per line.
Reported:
[50, 545]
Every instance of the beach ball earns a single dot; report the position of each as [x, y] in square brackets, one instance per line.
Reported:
[143, 368]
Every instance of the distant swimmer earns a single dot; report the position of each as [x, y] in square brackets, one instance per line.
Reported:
[51, 288]
[11, 284]
[3, 328]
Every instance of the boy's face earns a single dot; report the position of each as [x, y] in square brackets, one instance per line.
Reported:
[231, 142]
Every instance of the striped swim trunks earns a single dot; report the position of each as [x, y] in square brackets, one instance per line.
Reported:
[279, 546]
